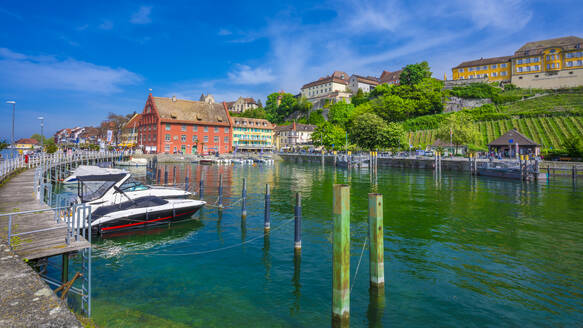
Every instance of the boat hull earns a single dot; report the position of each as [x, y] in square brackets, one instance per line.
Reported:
[143, 220]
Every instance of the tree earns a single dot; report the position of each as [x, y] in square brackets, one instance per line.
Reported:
[359, 98]
[458, 128]
[369, 132]
[4, 144]
[279, 106]
[339, 113]
[252, 113]
[329, 135]
[302, 105]
[38, 138]
[316, 117]
[259, 103]
[393, 108]
[573, 145]
[414, 73]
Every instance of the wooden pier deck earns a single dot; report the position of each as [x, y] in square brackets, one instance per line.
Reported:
[18, 195]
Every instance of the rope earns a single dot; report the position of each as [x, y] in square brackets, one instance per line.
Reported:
[358, 265]
[214, 250]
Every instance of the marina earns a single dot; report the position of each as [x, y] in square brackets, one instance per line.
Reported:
[427, 245]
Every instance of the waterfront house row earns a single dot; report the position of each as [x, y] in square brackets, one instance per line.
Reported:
[170, 125]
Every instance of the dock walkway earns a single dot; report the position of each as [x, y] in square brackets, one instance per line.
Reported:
[18, 196]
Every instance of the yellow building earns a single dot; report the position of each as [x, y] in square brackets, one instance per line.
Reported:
[496, 69]
[547, 64]
[252, 134]
[129, 132]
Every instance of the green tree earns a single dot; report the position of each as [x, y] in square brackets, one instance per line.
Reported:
[51, 148]
[359, 98]
[329, 135]
[4, 144]
[339, 113]
[381, 90]
[414, 73]
[316, 117]
[370, 132]
[458, 128]
[393, 108]
[252, 113]
[279, 105]
[573, 145]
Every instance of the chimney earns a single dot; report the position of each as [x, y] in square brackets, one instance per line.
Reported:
[173, 98]
[294, 126]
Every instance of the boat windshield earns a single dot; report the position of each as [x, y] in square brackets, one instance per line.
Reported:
[93, 187]
[133, 185]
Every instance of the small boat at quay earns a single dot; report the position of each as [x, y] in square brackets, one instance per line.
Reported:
[120, 203]
[133, 162]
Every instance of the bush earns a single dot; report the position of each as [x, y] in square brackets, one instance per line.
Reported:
[475, 90]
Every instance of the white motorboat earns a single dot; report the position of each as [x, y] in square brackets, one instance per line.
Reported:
[133, 162]
[88, 170]
[117, 205]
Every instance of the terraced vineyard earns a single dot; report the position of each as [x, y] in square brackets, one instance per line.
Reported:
[547, 131]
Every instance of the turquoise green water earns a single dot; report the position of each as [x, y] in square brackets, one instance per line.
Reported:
[459, 251]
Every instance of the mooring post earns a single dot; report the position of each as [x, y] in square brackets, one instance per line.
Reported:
[65, 268]
[267, 219]
[298, 222]
[341, 255]
[574, 173]
[186, 183]
[244, 200]
[174, 175]
[201, 187]
[375, 235]
[470, 162]
[220, 191]
[165, 176]
[158, 176]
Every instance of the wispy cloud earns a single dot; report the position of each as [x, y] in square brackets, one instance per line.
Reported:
[51, 73]
[10, 13]
[501, 14]
[244, 74]
[224, 32]
[142, 16]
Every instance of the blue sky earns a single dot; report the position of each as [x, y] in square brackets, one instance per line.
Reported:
[75, 61]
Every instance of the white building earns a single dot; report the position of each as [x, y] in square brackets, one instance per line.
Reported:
[329, 89]
[241, 105]
[366, 84]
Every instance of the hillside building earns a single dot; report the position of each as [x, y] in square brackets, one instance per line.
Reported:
[170, 125]
[252, 134]
[366, 84]
[514, 143]
[242, 104]
[391, 77]
[547, 64]
[329, 89]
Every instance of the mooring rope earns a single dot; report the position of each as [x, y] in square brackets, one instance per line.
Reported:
[214, 250]
[358, 265]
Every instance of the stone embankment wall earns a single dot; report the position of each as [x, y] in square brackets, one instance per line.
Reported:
[455, 104]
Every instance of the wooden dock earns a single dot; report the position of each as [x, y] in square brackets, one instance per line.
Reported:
[17, 195]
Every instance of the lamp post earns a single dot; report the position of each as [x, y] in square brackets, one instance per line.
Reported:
[13, 112]
[42, 137]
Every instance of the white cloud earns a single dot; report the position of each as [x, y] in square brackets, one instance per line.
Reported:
[501, 14]
[50, 73]
[142, 16]
[224, 32]
[246, 75]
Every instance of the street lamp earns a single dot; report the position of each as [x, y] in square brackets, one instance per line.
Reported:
[13, 111]
[42, 137]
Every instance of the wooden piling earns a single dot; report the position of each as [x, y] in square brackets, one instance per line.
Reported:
[165, 176]
[244, 200]
[298, 222]
[65, 268]
[220, 200]
[267, 214]
[375, 235]
[201, 187]
[341, 255]
[158, 177]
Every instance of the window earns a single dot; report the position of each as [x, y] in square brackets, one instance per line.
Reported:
[194, 128]
[216, 129]
[536, 67]
[485, 67]
[527, 68]
[183, 138]
[494, 74]
[503, 65]
[206, 139]
[519, 61]
[167, 127]
[226, 130]
[548, 66]
[206, 129]
[167, 138]
[216, 139]
[183, 128]
[519, 69]
[183, 148]
[194, 138]
[226, 140]
[578, 63]
[494, 66]
[174, 149]
[167, 148]
[569, 63]
[461, 70]
[503, 73]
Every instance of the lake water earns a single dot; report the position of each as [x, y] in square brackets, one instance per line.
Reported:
[459, 251]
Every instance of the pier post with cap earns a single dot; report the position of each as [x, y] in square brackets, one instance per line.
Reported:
[244, 200]
[341, 255]
[267, 214]
[298, 222]
[375, 235]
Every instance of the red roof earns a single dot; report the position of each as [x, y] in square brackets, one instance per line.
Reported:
[27, 141]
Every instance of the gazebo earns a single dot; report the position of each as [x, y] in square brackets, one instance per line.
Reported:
[514, 143]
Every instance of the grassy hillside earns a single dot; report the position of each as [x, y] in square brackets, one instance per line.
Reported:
[547, 119]
[547, 131]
